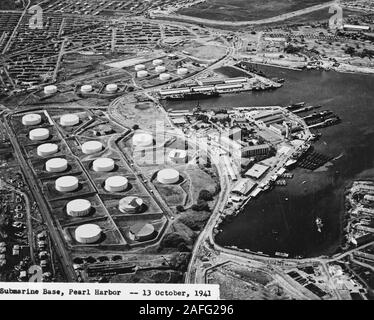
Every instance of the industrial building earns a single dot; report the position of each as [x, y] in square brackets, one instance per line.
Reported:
[257, 171]
[244, 187]
[168, 176]
[178, 156]
[88, 233]
[256, 150]
[260, 115]
[353, 27]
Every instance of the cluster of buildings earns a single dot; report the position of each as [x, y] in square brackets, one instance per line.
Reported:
[206, 87]
[361, 212]
[31, 56]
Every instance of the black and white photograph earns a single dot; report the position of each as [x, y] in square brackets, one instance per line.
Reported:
[191, 150]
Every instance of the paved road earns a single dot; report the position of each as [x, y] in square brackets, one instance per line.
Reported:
[44, 210]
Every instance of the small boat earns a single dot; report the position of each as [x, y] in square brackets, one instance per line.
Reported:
[281, 254]
[319, 224]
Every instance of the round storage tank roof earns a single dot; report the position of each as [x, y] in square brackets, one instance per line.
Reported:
[142, 74]
[50, 89]
[164, 76]
[147, 230]
[39, 134]
[86, 88]
[139, 67]
[78, 208]
[116, 184]
[68, 120]
[143, 231]
[31, 119]
[142, 140]
[112, 87]
[157, 62]
[168, 176]
[67, 184]
[88, 233]
[56, 165]
[103, 165]
[130, 205]
[47, 149]
[160, 69]
[91, 147]
[182, 71]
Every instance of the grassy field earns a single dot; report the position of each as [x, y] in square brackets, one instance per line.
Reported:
[242, 10]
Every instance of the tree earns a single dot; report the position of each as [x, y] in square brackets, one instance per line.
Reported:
[201, 205]
[350, 50]
[135, 127]
[205, 195]
[180, 208]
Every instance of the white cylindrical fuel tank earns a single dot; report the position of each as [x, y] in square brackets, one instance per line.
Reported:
[142, 74]
[142, 140]
[160, 69]
[116, 184]
[111, 88]
[56, 165]
[39, 134]
[47, 149]
[88, 233]
[69, 120]
[103, 165]
[50, 89]
[157, 62]
[139, 67]
[31, 119]
[164, 76]
[78, 208]
[67, 184]
[168, 176]
[91, 147]
[143, 232]
[182, 71]
[130, 205]
[86, 88]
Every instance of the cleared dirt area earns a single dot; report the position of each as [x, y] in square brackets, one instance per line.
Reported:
[242, 10]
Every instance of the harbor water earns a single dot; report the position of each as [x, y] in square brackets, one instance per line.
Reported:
[283, 220]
